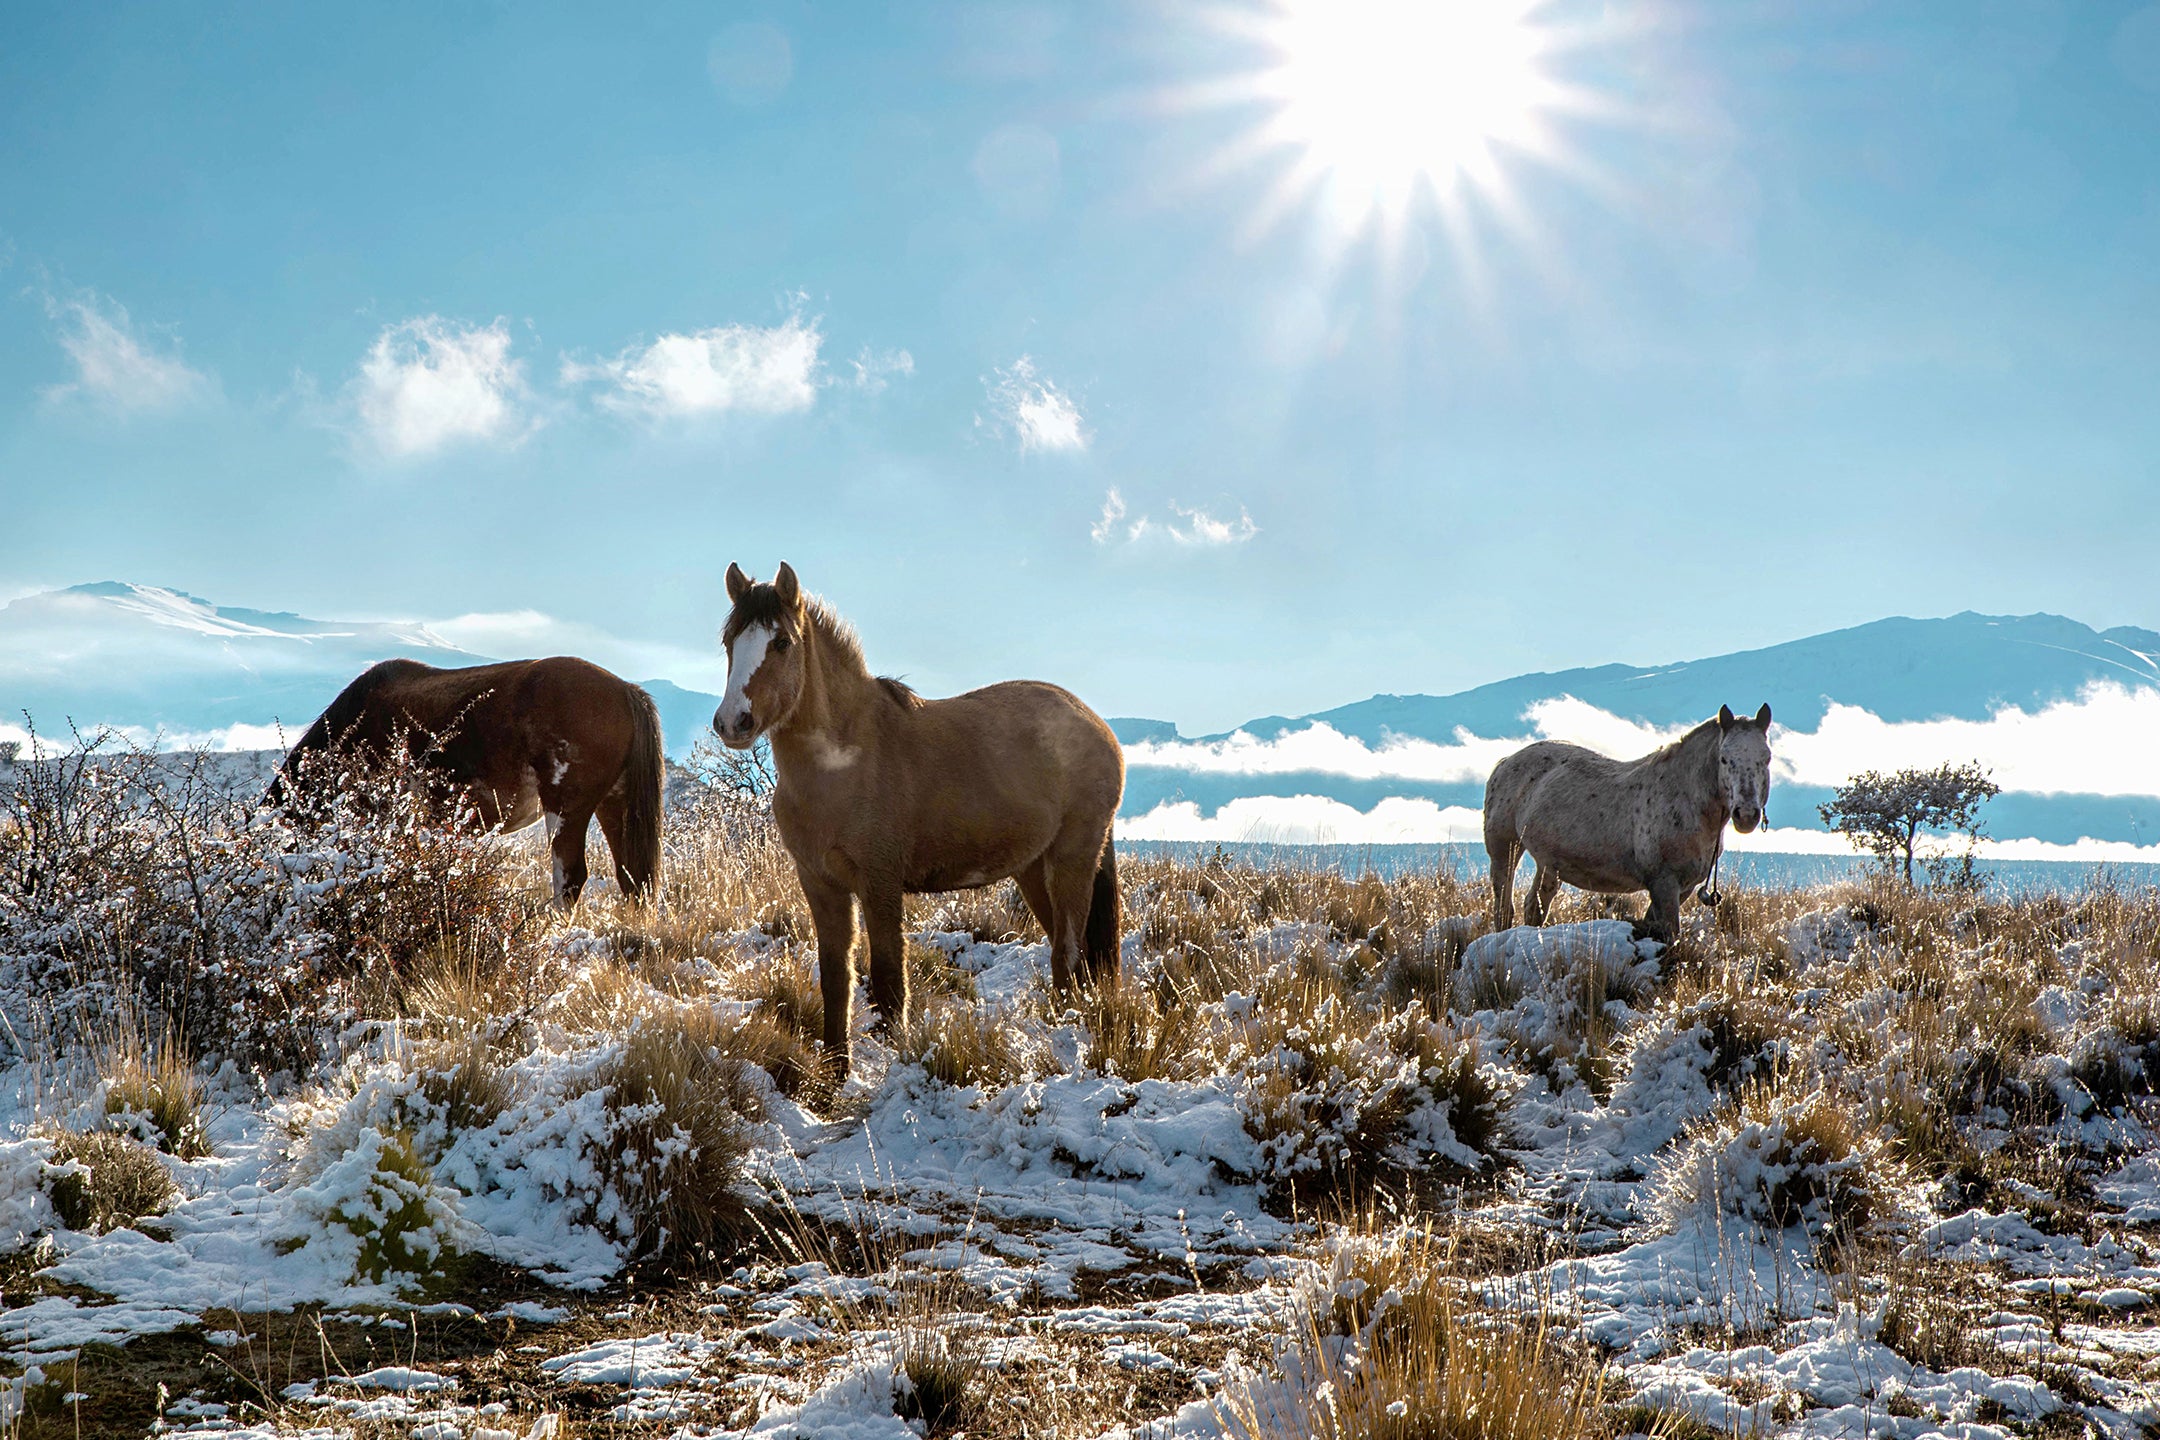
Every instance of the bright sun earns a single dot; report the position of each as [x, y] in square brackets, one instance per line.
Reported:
[1380, 104]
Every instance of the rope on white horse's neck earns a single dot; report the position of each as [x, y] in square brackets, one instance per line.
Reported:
[1708, 892]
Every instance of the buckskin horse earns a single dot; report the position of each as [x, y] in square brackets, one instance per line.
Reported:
[558, 740]
[880, 794]
[1619, 826]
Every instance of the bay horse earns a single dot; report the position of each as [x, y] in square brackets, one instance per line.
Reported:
[880, 794]
[1619, 826]
[558, 740]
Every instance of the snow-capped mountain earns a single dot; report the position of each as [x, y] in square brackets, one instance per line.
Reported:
[141, 656]
[2062, 712]
[1882, 695]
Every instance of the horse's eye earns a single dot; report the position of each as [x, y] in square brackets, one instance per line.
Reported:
[781, 642]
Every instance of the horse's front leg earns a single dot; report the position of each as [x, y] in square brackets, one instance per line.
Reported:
[883, 907]
[832, 915]
[1662, 920]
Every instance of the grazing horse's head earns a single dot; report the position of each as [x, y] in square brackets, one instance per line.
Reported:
[1743, 763]
[763, 638]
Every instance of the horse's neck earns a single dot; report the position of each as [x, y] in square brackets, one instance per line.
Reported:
[838, 690]
[1693, 763]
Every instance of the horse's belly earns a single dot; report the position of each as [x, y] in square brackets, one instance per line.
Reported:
[1597, 878]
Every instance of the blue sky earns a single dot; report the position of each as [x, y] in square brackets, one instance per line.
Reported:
[1768, 318]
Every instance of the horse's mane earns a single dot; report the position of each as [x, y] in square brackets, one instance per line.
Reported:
[762, 606]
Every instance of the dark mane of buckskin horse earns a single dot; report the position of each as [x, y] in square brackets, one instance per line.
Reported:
[559, 740]
[1618, 826]
[880, 793]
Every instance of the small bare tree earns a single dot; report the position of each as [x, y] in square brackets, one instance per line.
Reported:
[1886, 814]
[741, 774]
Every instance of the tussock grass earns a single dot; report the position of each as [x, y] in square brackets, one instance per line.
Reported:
[1394, 1347]
[1136, 1033]
[1783, 1152]
[153, 1088]
[682, 1104]
[464, 1080]
[960, 1042]
[105, 1181]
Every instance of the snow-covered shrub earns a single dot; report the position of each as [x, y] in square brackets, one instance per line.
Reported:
[1559, 994]
[247, 933]
[1825, 937]
[2120, 1056]
[101, 1181]
[1333, 1092]
[1693, 1054]
[26, 1210]
[1777, 1158]
[681, 1105]
[375, 1212]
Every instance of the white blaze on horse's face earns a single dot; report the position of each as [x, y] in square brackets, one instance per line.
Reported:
[1744, 774]
[736, 726]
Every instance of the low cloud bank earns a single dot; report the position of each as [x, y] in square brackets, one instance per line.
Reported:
[2097, 744]
[1318, 820]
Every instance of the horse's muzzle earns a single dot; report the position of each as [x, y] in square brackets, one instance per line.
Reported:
[1746, 819]
[739, 736]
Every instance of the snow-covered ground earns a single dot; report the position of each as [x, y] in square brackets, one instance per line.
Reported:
[1115, 1253]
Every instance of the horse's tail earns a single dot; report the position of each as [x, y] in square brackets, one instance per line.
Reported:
[643, 777]
[1103, 917]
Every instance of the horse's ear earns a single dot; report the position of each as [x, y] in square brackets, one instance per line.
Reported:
[738, 584]
[1724, 718]
[1762, 717]
[784, 583]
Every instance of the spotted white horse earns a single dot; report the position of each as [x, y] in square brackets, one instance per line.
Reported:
[1620, 826]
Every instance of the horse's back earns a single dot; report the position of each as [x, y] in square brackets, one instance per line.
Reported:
[1019, 738]
[1514, 779]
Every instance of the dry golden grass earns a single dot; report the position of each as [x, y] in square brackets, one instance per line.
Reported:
[113, 1181]
[1134, 1033]
[1396, 1348]
[154, 1084]
[959, 1042]
[683, 1105]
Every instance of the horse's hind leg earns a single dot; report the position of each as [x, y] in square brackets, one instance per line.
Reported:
[1544, 885]
[1504, 855]
[566, 842]
[611, 830]
[1070, 872]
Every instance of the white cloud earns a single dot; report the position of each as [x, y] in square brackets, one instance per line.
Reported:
[1306, 820]
[1318, 820]
[428, 383]
[1113, 518]
[1030, 408]
[1199, 530]
[873, 368]
[2097, 744]
[762, 371]
[115, 366]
